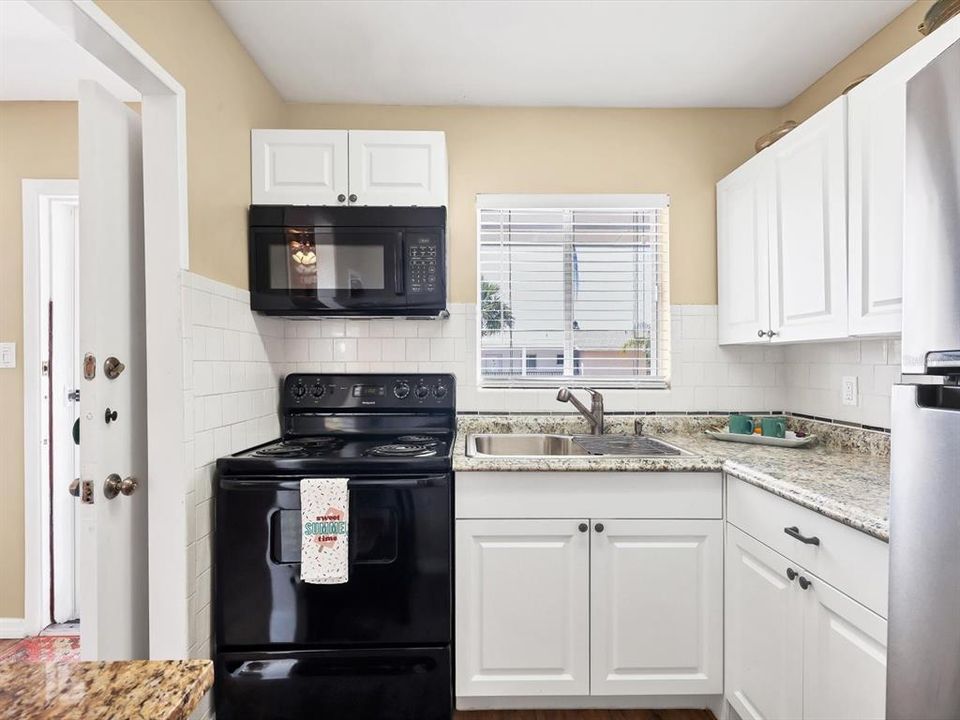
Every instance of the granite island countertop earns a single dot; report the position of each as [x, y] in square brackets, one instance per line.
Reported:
[845, 476]
[140, 689]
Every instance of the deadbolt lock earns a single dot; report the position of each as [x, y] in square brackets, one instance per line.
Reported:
[113, 367]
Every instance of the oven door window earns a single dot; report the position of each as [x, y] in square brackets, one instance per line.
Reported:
[336, 268]
[374, 536]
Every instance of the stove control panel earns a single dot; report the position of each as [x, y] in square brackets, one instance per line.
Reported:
[410, 392]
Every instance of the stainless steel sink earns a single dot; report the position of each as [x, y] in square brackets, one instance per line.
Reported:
[548, 445]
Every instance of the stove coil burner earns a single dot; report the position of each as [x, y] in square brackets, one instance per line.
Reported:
[427, 440]
[303, 447]
[402, 450]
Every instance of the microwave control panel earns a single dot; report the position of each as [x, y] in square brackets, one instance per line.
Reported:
[424, 264]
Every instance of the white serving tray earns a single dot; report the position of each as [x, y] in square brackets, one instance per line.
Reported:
[790, 441]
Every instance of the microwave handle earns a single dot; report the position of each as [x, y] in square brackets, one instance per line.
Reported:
[398, 269]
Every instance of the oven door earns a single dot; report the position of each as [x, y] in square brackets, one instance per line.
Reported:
[400, 584]
[336, 270]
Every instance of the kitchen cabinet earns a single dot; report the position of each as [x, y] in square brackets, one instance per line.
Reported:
[656, 607]
[390, 167]
[348, 167]
[796, 646]
[876, 133]
[764, 664]
[743, 247]
[781, 238]
[566, 594]
[298, 167]
[808, 252]
[523, 602]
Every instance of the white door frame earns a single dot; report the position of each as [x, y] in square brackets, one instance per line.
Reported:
[166, 248]
[37, 197]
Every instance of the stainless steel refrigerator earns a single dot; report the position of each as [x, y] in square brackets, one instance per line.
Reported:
[923, 668]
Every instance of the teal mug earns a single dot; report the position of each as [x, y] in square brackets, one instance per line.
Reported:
[741, 424]
[773, 426]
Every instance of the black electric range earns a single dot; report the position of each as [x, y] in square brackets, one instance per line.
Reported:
[379, 646]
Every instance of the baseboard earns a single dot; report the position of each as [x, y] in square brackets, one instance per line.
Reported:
[637, 702]
[13, 628]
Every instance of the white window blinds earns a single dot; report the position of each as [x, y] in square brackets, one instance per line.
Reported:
[573, 288]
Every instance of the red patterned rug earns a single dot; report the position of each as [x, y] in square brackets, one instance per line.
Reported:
[46, 648]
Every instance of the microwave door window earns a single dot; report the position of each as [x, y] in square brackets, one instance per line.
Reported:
[292, 263]
[349, 269]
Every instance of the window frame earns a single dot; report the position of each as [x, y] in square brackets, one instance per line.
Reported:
[535, 201]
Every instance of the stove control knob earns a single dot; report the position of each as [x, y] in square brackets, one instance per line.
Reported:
[299, 390]
[401, 390]
[421, 391]
[318, 390]
[440, 390]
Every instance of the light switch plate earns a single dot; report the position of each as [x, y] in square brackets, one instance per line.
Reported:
[849, 390]
[8, 355]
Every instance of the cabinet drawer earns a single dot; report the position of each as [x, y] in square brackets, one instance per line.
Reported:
[848, 559]
[687, 495]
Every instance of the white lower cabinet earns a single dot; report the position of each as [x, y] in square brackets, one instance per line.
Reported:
[656, 609]
[540, 602]
[523, 602]
[796, 647]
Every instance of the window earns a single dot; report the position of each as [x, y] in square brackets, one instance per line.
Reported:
[573, 288]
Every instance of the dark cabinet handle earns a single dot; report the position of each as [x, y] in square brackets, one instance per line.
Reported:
[598, 527]
[761, 333]
[791, 573]
[583, 527]
[341, 198]
[353, 198]
[794, 532]
[804, 583]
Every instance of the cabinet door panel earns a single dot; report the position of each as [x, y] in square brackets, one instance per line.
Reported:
[764, 640]
[876, 136]
[743, 239]
[298, 167]
[522, 607]
[656, 607]
[808, 280]
[844, 657]
[390, 167]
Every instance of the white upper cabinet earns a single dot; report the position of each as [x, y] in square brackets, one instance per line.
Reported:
[348, 167]
[808, 255]
[298, 167]
[522, 607]
[392, 167]
[656, 607]
[743, 242]
[876, 132]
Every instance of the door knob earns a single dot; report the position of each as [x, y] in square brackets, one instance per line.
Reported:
[113, 367]
[74, 488]
[114, 486]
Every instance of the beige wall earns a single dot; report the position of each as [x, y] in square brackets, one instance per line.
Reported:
[565, 150]
[226, 96]
[37, 140]
[876, 52]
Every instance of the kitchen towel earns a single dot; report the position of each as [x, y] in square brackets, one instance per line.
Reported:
[325, 520]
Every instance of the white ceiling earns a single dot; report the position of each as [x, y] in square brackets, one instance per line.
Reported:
[39, 62]
[630, 53]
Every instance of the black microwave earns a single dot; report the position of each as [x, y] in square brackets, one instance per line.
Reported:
[348, 261]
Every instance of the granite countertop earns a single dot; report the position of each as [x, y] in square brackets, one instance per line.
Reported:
[141, 689]
[845, 476]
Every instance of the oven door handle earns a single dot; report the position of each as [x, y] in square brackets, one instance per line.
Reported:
[252, 484]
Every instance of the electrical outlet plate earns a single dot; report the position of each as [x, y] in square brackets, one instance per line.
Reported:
[849, 391]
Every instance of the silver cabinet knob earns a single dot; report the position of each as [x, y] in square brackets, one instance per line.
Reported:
[114, 486]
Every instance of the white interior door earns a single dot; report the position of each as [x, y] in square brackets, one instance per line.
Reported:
[112, 562]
